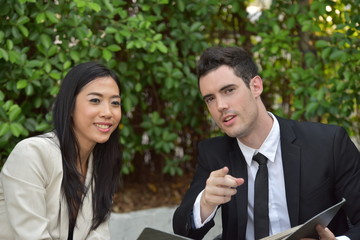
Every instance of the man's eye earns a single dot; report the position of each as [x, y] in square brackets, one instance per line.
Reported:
[209, 99]
[229, 90]
[95, 100]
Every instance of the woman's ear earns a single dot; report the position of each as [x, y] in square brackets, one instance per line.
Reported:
[256, 86]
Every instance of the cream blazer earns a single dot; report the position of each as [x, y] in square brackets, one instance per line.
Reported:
[32, 205]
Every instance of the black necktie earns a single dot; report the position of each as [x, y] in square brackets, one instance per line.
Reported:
[261, 198]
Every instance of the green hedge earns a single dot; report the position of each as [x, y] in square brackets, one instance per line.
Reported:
[310, 66]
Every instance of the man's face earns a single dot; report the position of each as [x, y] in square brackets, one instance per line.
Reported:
[231, 103]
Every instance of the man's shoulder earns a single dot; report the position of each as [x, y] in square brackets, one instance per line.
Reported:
[307, 125]
[310, 132]
[219, 142]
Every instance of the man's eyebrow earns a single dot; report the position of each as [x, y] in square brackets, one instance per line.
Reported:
[227, 86]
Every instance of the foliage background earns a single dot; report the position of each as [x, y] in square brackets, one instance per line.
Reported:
[308, 53]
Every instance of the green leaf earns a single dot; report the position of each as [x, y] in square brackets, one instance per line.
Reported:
[75, 55]
[45, 40]
[110, 30]
[21, 84]
[114, 48]
[43, 126]
[94, 6]
[66, 65]
[47, 67]
[22, 20]
[52, 17]
[108, 5]
[337, 55]
[138, 87]
[15, 32]
[162, 47]
[9, 44]
[4, 128]
[321, 44]
[311, 108]
[40, 18]
[14, 56]
[55, 75]
[107, 55]
[14, 112]
[181, 5]
[157, 37]
[1, 36]
[195, 26]
[24, 30]
[16, 129]
[4, 54]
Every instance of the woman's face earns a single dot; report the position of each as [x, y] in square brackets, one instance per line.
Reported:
[97, 112]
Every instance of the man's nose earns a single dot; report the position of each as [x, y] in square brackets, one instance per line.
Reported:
[221, 104]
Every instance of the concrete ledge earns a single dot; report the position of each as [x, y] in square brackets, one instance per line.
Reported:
[128, 226]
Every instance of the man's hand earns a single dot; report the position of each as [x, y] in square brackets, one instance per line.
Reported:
[219, 189]
[324, 234]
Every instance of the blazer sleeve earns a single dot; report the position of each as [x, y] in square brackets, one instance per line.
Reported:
[348, 179]
[183, 220]
[100, 233]
[24, 179]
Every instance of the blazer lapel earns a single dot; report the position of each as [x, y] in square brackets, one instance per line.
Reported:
[85, 215]
[238, 169]
[64, 218]
[291, 167]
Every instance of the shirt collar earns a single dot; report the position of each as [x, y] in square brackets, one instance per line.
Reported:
[268, 148]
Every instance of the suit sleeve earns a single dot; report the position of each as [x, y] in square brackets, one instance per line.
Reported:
[24, 181]
[183, 220]
[347, 160]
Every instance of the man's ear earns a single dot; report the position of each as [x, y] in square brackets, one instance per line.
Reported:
[256, 86]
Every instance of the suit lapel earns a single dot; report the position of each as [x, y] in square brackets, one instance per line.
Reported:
[291, 167]
[238, 169]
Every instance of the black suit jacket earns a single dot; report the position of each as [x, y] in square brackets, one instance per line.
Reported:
[321, 166]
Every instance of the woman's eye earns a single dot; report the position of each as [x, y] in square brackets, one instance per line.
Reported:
[116, 103]
[95, 100]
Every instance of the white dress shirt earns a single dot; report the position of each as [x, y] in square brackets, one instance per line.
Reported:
[278, 211]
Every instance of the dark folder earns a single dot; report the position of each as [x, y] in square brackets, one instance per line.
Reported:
[307, 230]
[154, 234]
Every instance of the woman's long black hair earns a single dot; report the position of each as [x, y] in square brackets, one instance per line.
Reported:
[106, 156]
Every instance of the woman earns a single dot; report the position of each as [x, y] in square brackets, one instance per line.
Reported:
[60, 185]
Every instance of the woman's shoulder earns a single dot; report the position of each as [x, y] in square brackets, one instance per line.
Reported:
[35, 160]
[42, 150]
[46, 141]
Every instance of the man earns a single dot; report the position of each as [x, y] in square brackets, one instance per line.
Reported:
[311, 166]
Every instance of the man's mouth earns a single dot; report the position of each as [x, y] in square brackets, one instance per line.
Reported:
[228, 118]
